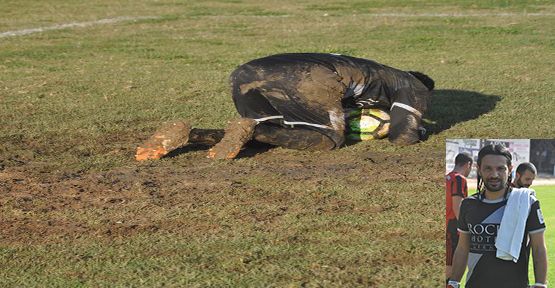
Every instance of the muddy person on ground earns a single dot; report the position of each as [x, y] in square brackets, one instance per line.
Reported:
[299, 100]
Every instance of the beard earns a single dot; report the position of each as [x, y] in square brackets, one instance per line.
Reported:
[520, 184]
[495, 185]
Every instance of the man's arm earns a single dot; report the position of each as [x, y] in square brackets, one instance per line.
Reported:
[539, 255]
[406, 119]
[456, 200]
[460, 258]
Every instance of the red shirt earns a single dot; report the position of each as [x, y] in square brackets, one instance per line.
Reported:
[455, 185]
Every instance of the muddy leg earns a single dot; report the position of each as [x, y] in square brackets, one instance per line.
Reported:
[237, 134]
[170, 136]
[293, 138]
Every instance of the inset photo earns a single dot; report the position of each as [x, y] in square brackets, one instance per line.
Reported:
[500, 201]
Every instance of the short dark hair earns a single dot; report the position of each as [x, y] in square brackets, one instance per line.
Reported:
[463, 158]
[425, 79]
[526, 166]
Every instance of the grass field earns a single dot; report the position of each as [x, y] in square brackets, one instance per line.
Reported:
[77, 210]
[546, 195]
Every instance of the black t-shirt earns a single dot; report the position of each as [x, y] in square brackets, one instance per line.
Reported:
[481, 219]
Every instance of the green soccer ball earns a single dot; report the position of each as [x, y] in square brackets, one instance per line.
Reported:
[367, 124]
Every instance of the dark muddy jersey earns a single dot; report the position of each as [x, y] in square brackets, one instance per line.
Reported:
[481, 218]
[313, 89]
[365, 83]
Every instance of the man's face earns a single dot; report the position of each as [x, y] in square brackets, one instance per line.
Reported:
[524, 180]
[495, 172]
[467, 169]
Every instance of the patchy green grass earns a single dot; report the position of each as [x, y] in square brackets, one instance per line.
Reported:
[75, 102]
[546, 195]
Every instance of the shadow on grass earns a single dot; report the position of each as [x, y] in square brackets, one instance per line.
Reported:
[450, 107]
[186, 149]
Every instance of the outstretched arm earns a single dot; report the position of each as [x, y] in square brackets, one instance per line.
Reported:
[456, 200]
[461, 257]
[406, 117]
[539, 255]
[404, 127]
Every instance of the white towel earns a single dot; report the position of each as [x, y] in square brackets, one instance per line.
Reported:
[511, 231]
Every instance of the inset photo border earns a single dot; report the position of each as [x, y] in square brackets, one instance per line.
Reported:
[484, 177]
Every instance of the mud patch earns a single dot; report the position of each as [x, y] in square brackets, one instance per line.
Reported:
[193, 196]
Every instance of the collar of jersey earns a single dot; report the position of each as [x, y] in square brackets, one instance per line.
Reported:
[498, 200]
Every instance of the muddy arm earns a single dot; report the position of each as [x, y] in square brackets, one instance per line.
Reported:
[406, 117]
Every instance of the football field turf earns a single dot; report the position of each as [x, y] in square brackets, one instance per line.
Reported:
[82, 83]
[546, 196]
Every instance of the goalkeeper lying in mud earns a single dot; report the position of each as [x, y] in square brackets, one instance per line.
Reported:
[299, 101]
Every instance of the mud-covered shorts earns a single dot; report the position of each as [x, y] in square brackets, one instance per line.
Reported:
[290, 94]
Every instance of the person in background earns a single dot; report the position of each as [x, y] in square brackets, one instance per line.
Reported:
[525, 174]
[456, 190]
